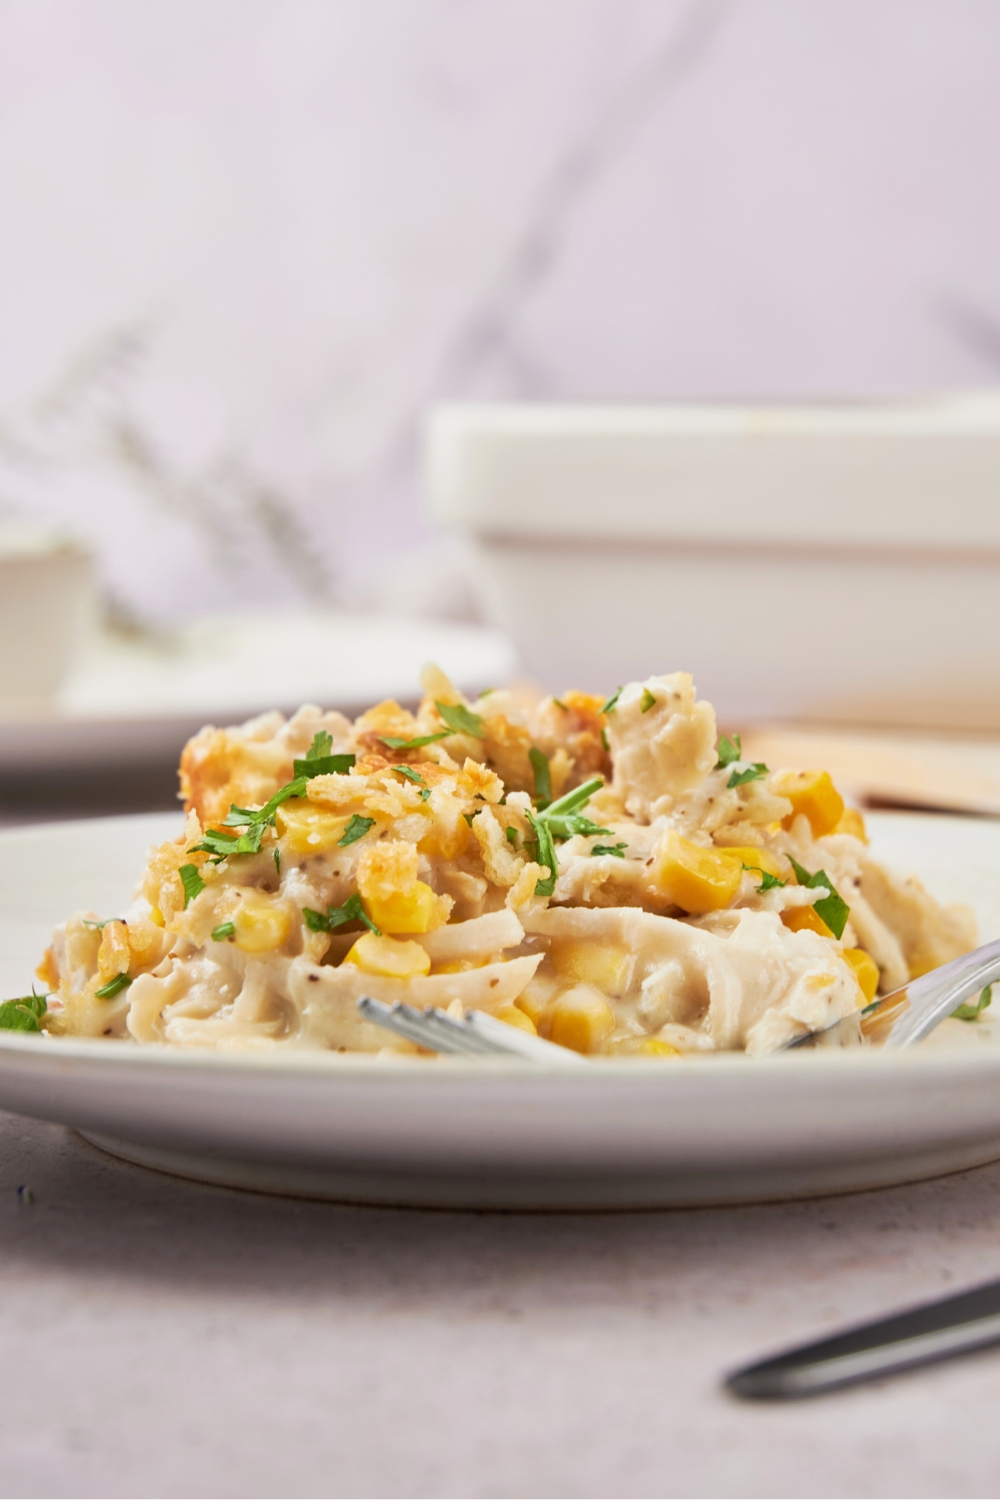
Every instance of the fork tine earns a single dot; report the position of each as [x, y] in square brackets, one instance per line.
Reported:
[448, 1031]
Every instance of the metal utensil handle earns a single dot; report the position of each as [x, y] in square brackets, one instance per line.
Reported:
[918, 1336]
[935, 995]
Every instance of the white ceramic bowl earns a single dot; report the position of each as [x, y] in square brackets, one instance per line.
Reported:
[836, 563]
[47, 610]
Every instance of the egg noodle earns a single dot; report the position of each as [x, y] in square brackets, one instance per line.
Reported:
[609, 874]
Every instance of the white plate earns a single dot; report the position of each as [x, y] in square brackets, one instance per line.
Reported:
[138, 700]
[626, 1133]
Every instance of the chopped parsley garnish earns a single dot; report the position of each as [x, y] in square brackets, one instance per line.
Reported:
[545, 854]
[752, 773]
[729, 750]
[485, 692]
[562, 817]
[23, 1014]
[220, 844]
[461, 720]
[575, 823]
[277, 861]
[410, 774]
[833, 909]
[113, 987]
[318, 760]
[356, 829]
[192, 883]
[612, 703]
[224, 931]
[767, 882]
[604, 740]
[618, 850]
[648, 701]
[395, 743]
[560, 704]
[351, 911]
[468, 818]
[238, 817]
[543, 778]
[99, 926]
[966, 1012]
[511, 833]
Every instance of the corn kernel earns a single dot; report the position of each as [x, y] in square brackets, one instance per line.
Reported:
[812, 793]
[647, 1046]
[865, 971]
[805, 919]
[581, 1019]
[693, 878]
[260, 924]
[536, 998]
[156, 915]
[308, 829]
[515, 1017]
[447, 840]
[388, 957]
[606, 966]
[413, 910]
[757, 859]
[852, 822]
[459, 965]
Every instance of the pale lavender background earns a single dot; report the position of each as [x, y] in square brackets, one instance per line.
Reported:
[245, 242]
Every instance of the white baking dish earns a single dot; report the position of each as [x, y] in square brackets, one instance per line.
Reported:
[836, 563]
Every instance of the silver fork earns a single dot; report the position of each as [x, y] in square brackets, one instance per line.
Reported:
[476, 1035]
[905, 1016]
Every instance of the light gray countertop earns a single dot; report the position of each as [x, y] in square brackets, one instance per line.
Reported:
[164, 1338]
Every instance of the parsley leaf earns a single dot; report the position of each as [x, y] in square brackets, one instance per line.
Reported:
[604, 740]
[395, 743]
[572, 801]
[223, 931]
[648, 701]
[277, 861]
[99, 926]
[113, 987]
[543, 779]
[612, 703]
[729, 750]
[318, 760]
[752, 773]
[767, 882]
[24, 1013]
[239, 816]
[833, 909]
[618, 850]
[511, 833]
[560, 704]
[968, 1012]
[411, 775]
[461, 720]
[545, 854]
[351, 911]
[220, 845]
[573, 823]
[192, 883]
[356, 829]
